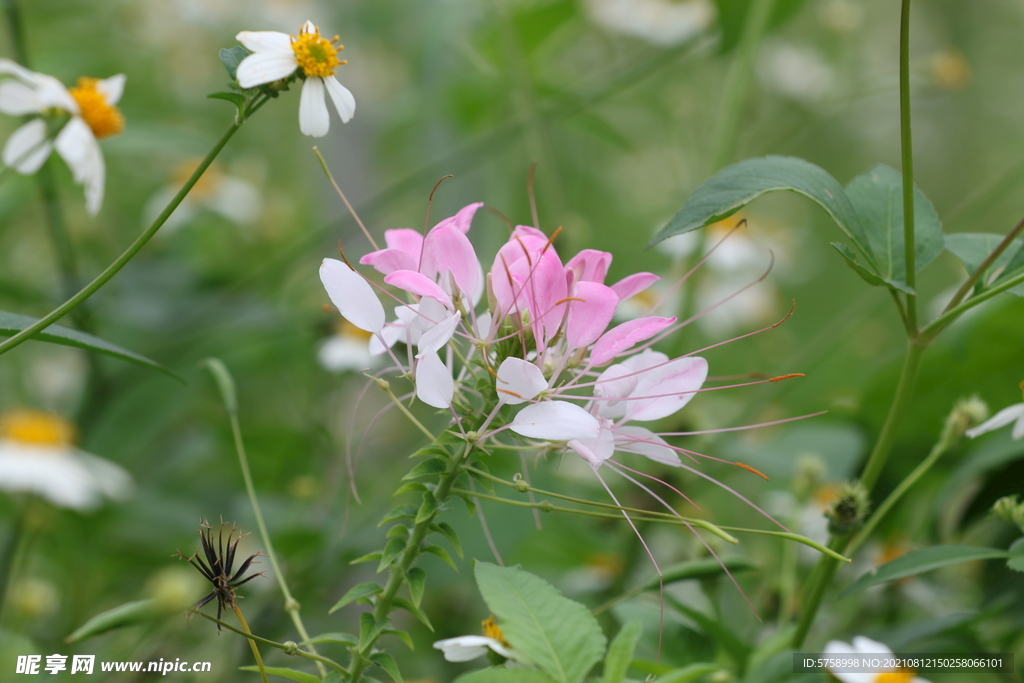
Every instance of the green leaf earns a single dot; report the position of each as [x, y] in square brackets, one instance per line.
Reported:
[877, 196]
[368, 557]
[732, 188]
[234, 98]
[920, 561]
[689, 674]
[412, 609]
[732, 16]
[972, 248]
[231, 57]
[13, 323]
[410, 486]
[290, 674]
[417, 579]
[428, 509]
[854, 263]
[369, 629]
[1016, 561]
[400, 512]
[737, 649]
[441, 553]
[436, 465]
[354, 593]
[446, 530]
[128, 614]
[335, 637]
[398, 530]
[503, 675]
[482, 480]
[401, 635]
[392, 550]
[559, 635]
[620, 653]
[704, 568]
[470, 504]
[387, 662]
[334, 676]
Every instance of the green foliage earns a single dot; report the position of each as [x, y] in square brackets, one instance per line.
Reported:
[128, 614]
[335, 637]
[556, 634]
[231, 57]
[358, 592]
[923, 560]
[732, 15]
[1016, 561]
[387, 662]
[689, 674]
[974, 248]
[620, 652]
[281, 672]
[503, 675]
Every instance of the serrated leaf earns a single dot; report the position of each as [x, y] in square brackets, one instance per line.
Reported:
[399, 512]
[128, 614]
[877, 196]
[428, 509]
[620, 653]
[436, 465]
[417, 579]
[234, 98]
[441, 553]
[446, 530]
[392, 550]
[335, 637]
[387, 662]
[354, 593]
[732, 188]
[399, 601]
[920, 561]
[401, 635]
[13, 323]
[368, 557]
[972, 248]
[231, 57]
[1016, 561]
[503, 675]
[369, 629]
[281, 672]
[855, 265]
[556, 634]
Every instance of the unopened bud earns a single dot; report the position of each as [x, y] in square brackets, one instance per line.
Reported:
[1010, 510]
[847, 513]
[966, 414]
[291, 647]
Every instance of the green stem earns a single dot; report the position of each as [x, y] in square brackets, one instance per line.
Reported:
[112, 270]
[943, 321]
[907, 152]
[819, 580]
[976, 275]
[7, 560]
[252, 643]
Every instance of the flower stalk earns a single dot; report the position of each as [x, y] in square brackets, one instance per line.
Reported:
[252, 643]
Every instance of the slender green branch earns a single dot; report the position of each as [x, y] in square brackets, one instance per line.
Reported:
[252, 643]
[819, 580]
[327, 172]
[7, 561]
[112, 270]
[289, 648]
[943, 321]
[907, 152]
[976, 275]
[386, 388]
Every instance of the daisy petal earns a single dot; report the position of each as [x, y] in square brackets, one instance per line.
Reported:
[555, 421]
[112, 88]
[342, 98]
[434, 384]
[353, 295]
[314, 119]
[265, 41]
[27, 148]
[78, 147]
[18, 99]
[266, 67]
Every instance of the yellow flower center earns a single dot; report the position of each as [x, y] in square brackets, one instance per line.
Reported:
[895, 677]
[102, 117]
[316, 55]
[491, 630]
[346, 329]
[36, 428]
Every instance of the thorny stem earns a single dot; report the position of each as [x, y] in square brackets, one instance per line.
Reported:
[122, 260]
[907, 152]
[252, 643]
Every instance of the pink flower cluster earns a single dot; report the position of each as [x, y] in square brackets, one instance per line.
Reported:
[544, 334]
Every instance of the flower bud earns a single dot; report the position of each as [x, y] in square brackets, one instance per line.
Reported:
[847, 513]
[966, 414]
[1010, 510]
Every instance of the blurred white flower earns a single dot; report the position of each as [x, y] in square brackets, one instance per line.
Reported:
[841, 16]
[226, 195]
[661, 22]
[866, 646]
[37, 455]
[465, 648]
[277, 55]
[1014, 413]
[90, 106]
[796, 71]
[347, 349]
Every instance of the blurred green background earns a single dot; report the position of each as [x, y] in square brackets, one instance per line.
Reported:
[618, 103]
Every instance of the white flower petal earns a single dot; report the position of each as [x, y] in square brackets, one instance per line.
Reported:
[391, 334]
[434, 385]
[265, 67]
[314, 119]
[595, 451]
[519, 381]
[339, 353]
[78, 147]
[639, 440]
[265, 41]
[555, 421]
[112, 88]
[63, 475]
[1000, 419]
[18, 99]
[342, 98]
[465, 648]
[353, 295]
[437, 336]
[27, 148]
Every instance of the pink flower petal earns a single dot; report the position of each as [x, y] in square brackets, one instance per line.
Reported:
[405, 239]
[670, 386]
[625, 336]
[434, 385]
[462, 220]
[353, 295]
[632, 285]
[595, 451]
[447, 249]
[589, 318]
[387, 261]
[590, 265]
[519, 381]
[555, 421]
[638, 440]
[418, 284]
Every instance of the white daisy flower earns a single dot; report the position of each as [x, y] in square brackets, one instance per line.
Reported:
[37, 455]
[1014, 413]
[347, 349]
[230, 196]
[866, 646]
[465, 648]
[277, 55]
[90, 105]
[661, 22]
